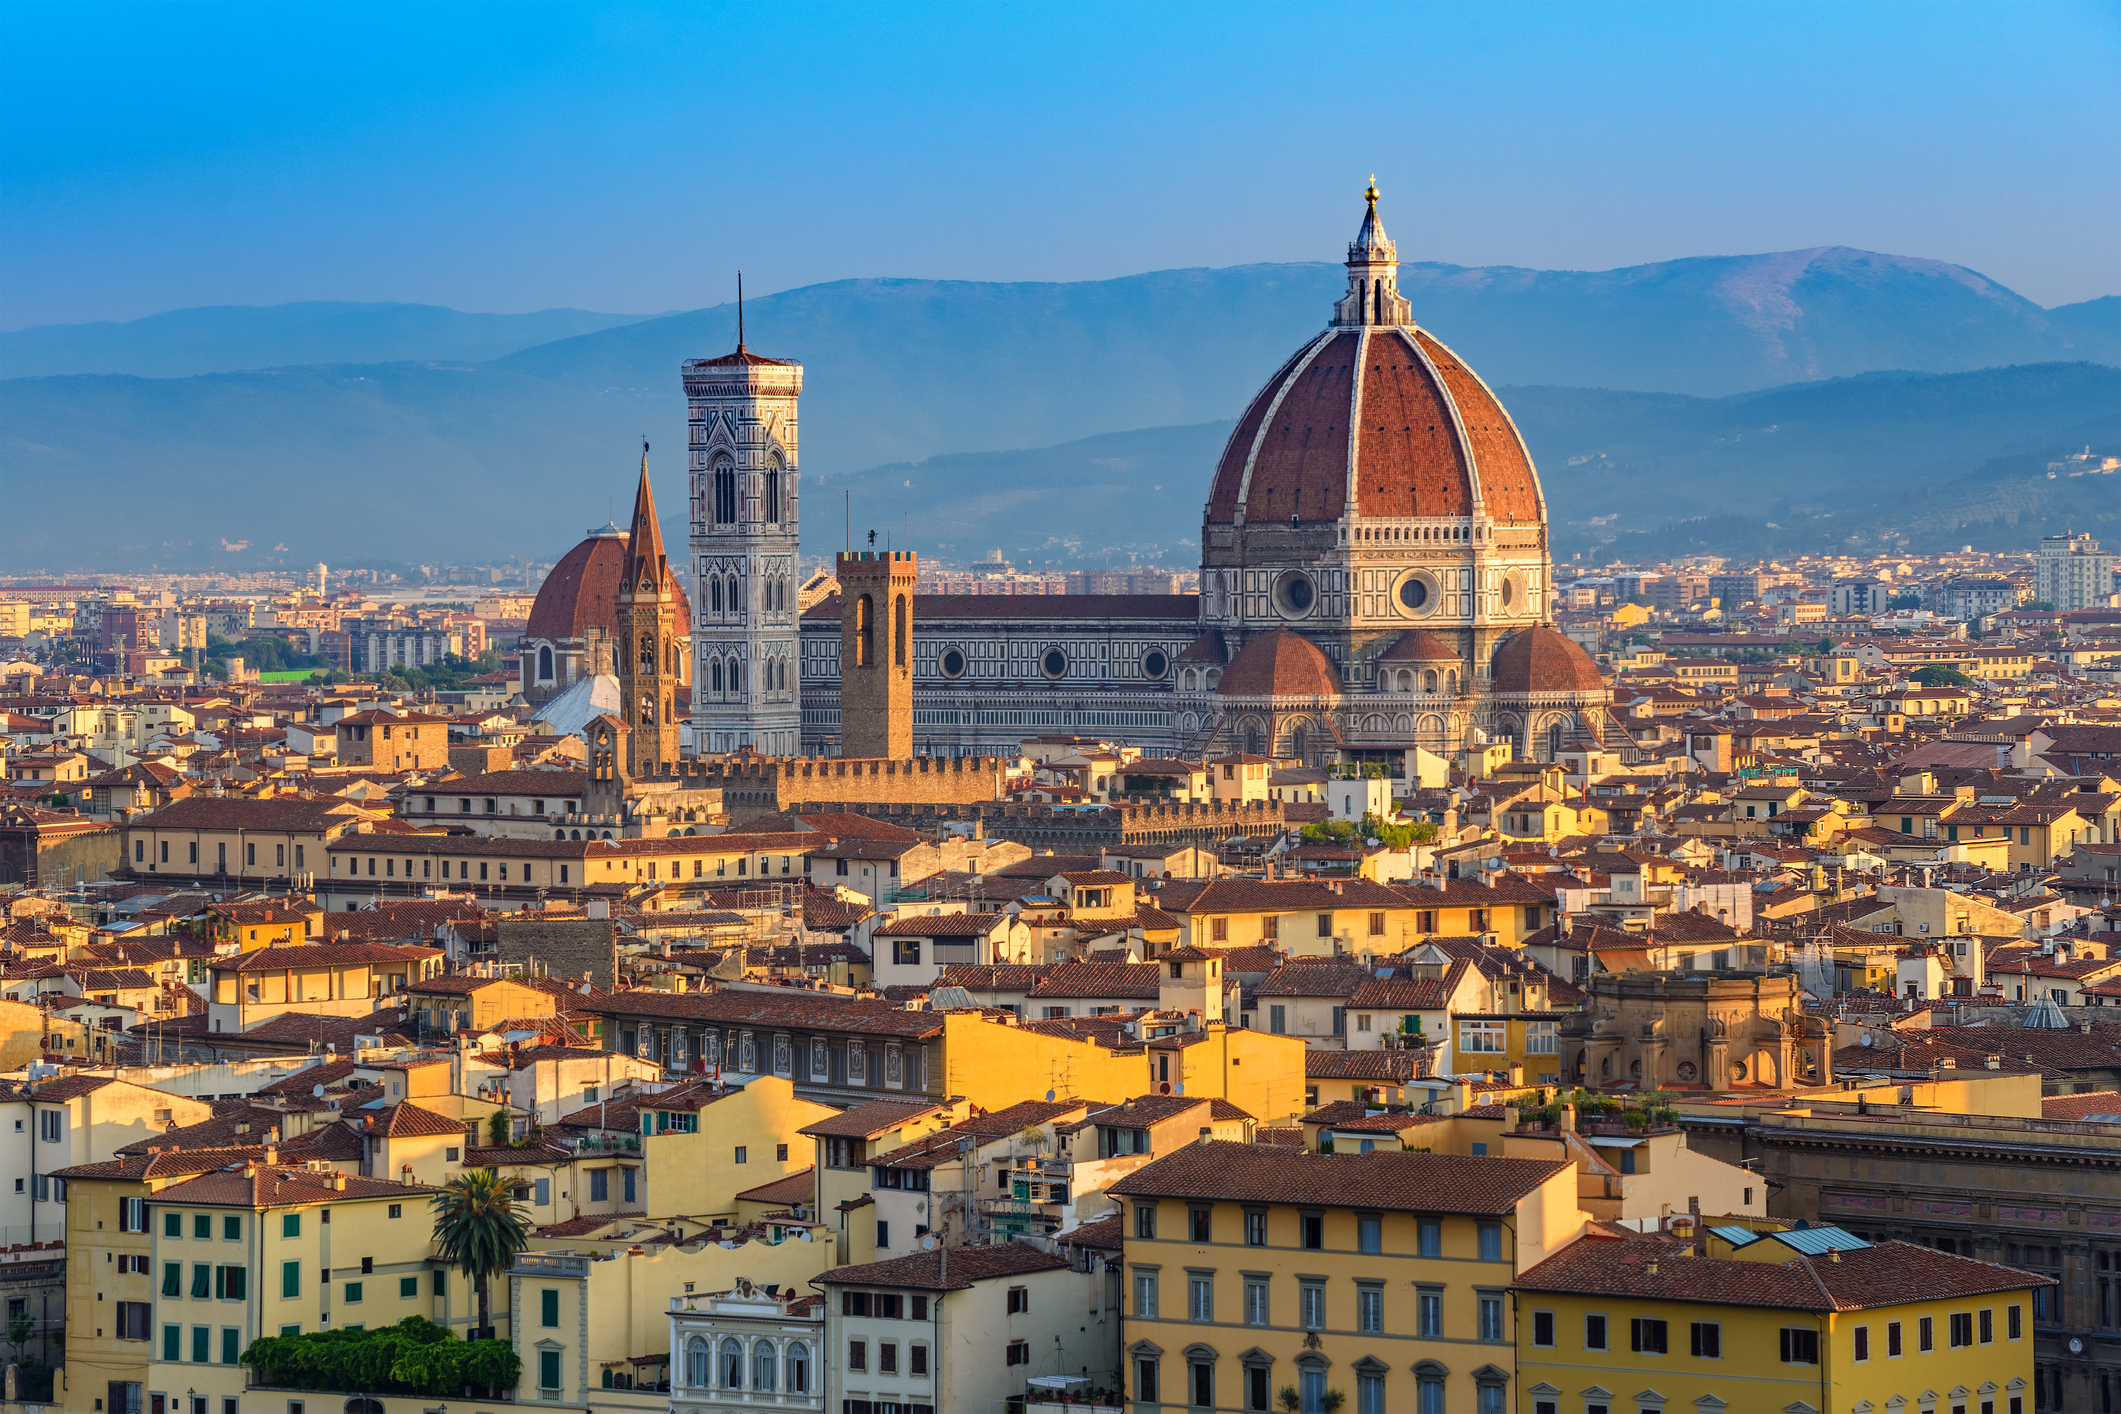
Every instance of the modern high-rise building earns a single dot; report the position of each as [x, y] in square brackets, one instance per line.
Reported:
[2072, 572]
[747, 689]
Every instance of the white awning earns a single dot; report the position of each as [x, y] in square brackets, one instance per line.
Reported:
[1615, 1141]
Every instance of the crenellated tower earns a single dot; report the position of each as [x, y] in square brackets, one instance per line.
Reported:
[741, 414]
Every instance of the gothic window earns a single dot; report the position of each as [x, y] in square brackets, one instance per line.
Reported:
[545, 665]
[714, 676]
[736, 678]
[773, 494]
[1298, 741]
[898, 633]
[724, 493]
[736, 602]
[648, 654]
[864, 632]
[647, 710]
[714, 594]
[1428, 680]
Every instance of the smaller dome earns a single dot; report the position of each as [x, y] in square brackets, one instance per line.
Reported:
[1208, 648]
[1280, 664]
[1543, 659]
[1418, 645]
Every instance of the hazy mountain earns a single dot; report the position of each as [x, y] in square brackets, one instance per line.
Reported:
[222, 338]
[2100, 317]
[437, 459]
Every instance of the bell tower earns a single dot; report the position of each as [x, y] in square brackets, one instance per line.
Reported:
[650, 650]
[876, 653]
[741, 419]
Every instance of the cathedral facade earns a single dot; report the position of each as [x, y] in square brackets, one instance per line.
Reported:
[1374, 576]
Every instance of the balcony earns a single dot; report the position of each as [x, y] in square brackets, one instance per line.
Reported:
[549, 1264]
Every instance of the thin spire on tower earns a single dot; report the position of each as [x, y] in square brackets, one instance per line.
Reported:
[644, 549]
[739, 311]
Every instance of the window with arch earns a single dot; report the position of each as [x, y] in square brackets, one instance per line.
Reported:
[544, 665]
[714, 676]
[1429, 681]
[699, 1364]
[735, 596]
[1428, 1388]
[732, 1364]
[765, 1367]
[798, 1362]
[647, 710]
[736, 678]
[898, 632]
[773, 493]
[714, 594]
[864, 632]
[648, 654]
[725, 492]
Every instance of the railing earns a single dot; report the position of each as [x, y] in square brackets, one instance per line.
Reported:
[549, 1264]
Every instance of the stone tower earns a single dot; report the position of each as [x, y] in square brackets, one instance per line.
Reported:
[746, 691]
[876, 653]
[650, 648]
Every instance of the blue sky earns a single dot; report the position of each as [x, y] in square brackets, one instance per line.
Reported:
[627, 157]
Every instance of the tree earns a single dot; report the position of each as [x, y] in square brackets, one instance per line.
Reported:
[1939, 675]
[479, 1231]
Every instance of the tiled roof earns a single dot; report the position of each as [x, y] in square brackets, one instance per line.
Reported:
[1604, 1263]
[821, 1013]
[277, 959]
[943, 925]
[1137, 981]
[797, 1187]
[925, 1271]
[1324, 977]
[275, 1186]
[1396, 1067]
[1403, 1182]
[143, 1166]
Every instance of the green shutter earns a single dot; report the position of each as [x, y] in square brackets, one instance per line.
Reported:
[549, 1307]
[172, 1282]
[548, 1369]
[172, 1343]
[290, 1278]
[232, 1229]
[202, 1344]
[173, 1225]
[353, 1293]
[408, 1286]
[290, 1225]
[229, 1349]
[202, 1280]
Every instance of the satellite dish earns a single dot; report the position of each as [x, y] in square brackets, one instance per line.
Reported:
[1869, 1039]
[1049, 1097]
[316, 1092]
[1180, 1088]
[928, 1243]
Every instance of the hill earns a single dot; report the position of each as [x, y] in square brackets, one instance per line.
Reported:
[224, 338]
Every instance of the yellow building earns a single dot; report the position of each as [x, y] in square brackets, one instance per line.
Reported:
[708, 1146]
[1771, 1320]
[1383, 1277]
[110, 1286]
[843, 1144]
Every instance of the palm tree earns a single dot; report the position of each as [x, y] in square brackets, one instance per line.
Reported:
[480, 1232]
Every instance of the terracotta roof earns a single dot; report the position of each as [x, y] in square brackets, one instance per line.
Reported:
[789, 1189]
[2077, 1107]
[140, 1166]
[1280, 664]
[1396, 1067]
[818, 1012]
[276, 959]
[1418, 645]
[1402, 1182]
[1137, 981]
[924, 1271]
[276, 1186]
[942, 925]
[1865, 1278]
[1543, 659]
[1323, 977]
[581, 592]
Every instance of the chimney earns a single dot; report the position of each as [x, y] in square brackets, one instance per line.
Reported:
[338, 1180]
[1651, 1269]
[272, 1154]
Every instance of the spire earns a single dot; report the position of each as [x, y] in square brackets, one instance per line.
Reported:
[644, 551]
[739, 311]
[1373, 274]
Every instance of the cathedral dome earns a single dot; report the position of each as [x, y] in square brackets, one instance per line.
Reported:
[1418, 645]
[1543, 659]
[1429, 438]
[581, 593]
[1280, 664]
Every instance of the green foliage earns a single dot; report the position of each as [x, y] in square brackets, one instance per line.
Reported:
[413, 1357]
[1328, 832]
[1288, 1399]
[2039, 605]
[1330, 1401]
[1909, 600]
[1941, 675]
[267, 654]
[497, 1127]
[479, 1230]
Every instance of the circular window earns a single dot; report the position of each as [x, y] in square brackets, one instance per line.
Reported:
[1509, 591]
[952, 663]
[1055, 663]
[1416, 595]
[1293, 594]
[1155, 664]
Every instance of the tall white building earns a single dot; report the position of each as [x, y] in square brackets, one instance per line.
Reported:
[2072, 572]
[746, 688]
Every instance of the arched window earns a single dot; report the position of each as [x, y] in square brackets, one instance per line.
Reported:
[1428, 1388]
[648, 654]
[736, 596]
[1254, 740]
[1451, 682]
[732, 1364]
[1554, 742]
[714, 594]
[864, 632]
[773, 493]
[1299, 741]
[765, 1372]
[647, 709]
[1428, 680]
[736, 679]
[714, 675]
[898, 633]
[544, 665]
[699, 1364]
[724, 493]
[798, 1368]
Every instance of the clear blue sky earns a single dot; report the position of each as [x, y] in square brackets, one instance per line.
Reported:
[627, 157]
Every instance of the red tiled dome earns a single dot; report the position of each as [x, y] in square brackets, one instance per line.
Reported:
[1280, 664]
[1418, 645]
[581, 592]
[1544, 659]
[1431, 440]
